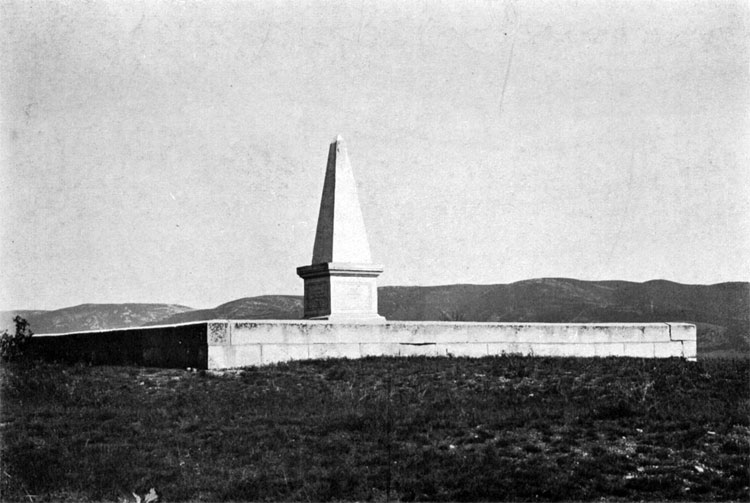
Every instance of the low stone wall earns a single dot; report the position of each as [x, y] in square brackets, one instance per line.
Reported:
[232, 343]
[168, 346]
[243, 343]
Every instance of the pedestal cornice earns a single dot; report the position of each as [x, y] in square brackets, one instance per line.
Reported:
[339, 269]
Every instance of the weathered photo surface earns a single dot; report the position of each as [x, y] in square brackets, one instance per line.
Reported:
[472, 250]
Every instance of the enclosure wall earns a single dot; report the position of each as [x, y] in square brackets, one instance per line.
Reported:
[173, 346]
[241, 343]
[233, 343]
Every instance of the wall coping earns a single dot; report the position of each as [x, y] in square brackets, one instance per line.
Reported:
[385, 325]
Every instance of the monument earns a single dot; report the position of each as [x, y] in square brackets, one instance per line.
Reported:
[341, 282]
[342, 321]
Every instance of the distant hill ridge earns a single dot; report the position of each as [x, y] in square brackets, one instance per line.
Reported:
[92, 317]
[264, 307]
[721, 311]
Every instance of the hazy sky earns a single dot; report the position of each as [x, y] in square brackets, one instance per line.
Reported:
[175, 151]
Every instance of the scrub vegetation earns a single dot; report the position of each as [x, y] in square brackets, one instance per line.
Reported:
[410, 429]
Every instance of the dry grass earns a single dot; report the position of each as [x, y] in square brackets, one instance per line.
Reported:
[504, 428]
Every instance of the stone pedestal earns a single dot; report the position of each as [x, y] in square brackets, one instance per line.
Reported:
[341, 292]
[340, 285]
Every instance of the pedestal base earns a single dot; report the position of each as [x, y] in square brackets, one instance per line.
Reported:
[341, 292]
[349, 318]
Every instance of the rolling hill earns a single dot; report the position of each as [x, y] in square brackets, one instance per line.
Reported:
[721, 311]
[92, 317]
[266, 307]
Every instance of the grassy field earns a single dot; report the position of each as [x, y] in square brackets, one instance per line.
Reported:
[503, 428]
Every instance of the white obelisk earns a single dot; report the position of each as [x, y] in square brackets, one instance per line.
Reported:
[341, 283]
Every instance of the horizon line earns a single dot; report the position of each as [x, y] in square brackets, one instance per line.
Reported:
[15, 310]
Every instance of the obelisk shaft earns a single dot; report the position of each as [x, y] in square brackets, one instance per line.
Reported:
[340, 284]
[340, 235]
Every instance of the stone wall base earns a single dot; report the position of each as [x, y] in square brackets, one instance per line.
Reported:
[220, 344]
[245, 343]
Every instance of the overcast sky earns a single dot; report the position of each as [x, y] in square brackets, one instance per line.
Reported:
[174, 151]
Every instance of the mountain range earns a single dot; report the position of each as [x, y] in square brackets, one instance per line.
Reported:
[721, 311]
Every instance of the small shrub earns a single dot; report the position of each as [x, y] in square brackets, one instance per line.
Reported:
[12, 347]
[340, 372]
[613, 410]
[734, 445]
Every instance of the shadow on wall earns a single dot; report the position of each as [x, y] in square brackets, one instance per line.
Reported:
[167, 347]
